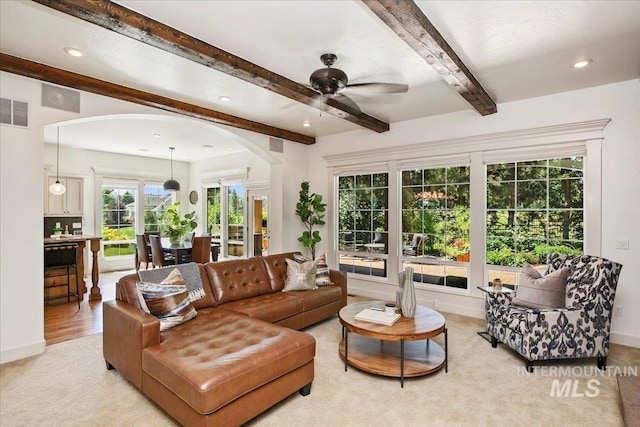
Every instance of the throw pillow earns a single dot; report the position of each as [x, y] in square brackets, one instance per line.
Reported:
[323, 277]
[168, 301]
[535, 291]
[190, 272]
[300, 277]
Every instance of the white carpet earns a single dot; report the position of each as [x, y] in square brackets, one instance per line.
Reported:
[70, 386]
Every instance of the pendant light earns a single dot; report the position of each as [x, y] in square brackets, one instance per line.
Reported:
[57, 188]
[172, 184]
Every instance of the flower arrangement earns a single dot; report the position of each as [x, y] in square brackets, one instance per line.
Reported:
[177, 227]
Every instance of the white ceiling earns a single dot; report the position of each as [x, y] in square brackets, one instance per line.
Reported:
[516, 49]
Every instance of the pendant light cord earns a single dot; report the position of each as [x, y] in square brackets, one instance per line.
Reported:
[58, 157]
[172, 148]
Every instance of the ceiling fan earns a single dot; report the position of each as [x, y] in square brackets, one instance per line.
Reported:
[331, 82]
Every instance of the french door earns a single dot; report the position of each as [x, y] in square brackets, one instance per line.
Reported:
[258, 222]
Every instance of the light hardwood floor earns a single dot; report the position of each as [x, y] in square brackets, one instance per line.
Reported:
[64, 322]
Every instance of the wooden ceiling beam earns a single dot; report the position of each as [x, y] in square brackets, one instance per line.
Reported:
[35, 70]
[129, 23]
[406, 19]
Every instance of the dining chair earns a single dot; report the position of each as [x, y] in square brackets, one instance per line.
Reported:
[201, 249]
[158, 257]
[142, 252]
[150, 233]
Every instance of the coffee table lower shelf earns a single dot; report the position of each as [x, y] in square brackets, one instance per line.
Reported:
[383, 357]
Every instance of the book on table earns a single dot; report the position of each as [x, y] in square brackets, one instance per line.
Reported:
[376, 316]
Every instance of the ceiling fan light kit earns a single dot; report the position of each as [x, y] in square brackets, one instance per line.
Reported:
[171, 184]
[330, 82]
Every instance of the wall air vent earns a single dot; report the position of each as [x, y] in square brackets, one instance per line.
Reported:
[276, 145]
[60, 98]
[14, 112]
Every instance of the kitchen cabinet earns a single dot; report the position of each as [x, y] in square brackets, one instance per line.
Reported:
[68, 204]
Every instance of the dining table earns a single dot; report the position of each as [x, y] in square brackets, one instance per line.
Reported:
[179, 251]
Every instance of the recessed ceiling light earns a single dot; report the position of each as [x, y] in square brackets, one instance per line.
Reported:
[156, 135]
[207, 146]
[306, 124]
[230, 148]
[73, 52]
[583, 63]
[224, 98]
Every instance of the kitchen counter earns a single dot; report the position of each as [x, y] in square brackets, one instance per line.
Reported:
[79, 283]
[69, 238]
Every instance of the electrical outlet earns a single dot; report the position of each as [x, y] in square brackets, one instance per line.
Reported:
[617, 311]
[435, 303]
[622, 245]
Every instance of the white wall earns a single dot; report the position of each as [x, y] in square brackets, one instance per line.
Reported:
[620, 179]
[21, 230]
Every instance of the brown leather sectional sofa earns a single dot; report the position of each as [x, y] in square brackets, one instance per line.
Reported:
[241, 354]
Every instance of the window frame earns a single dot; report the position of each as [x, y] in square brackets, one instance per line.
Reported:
[429, 261]
[513, 271]
[224, 240]
[366, 256]
[558, 140]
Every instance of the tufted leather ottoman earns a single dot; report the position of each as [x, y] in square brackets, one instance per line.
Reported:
[224, 356]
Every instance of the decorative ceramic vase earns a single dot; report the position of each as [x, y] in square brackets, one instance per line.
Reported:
[408, 304]
[400, 289]
[497, 284]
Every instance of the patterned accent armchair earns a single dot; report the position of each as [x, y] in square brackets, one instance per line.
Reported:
[579, 330]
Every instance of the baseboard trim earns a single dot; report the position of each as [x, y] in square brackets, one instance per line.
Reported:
[18, 353]
[625, 339]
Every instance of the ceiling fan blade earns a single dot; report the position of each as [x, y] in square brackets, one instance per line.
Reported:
[343, 99]
[380, 88]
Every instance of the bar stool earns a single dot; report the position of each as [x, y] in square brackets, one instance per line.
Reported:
[63, 255]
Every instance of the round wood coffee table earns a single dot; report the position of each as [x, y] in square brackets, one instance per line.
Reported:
[397, 350]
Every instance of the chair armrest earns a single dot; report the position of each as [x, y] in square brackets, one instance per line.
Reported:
[127, 330]
[340, 279]
[500, 298]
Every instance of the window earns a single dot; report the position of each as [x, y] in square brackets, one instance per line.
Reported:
[533, 208]
[214, 209]
[225, 218]
[235, 220]
[118, 220]
[156, 200]
[435, 225]
[363, 202]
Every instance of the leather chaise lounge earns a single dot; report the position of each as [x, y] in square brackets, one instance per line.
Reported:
[239, 356]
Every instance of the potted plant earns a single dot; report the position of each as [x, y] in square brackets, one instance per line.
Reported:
[311, 210]
[460, 250]
[177, 227]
